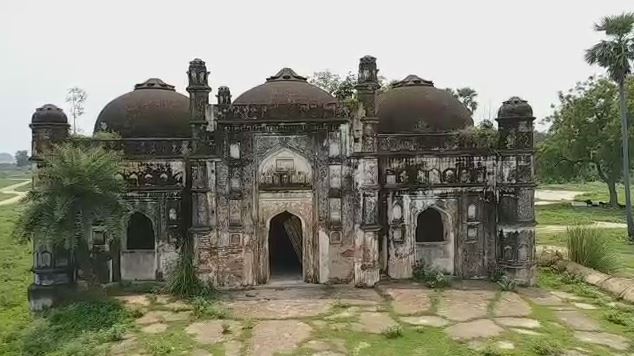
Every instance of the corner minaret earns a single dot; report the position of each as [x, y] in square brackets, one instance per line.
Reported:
[516, 206]
[366, 175]
[198, 90]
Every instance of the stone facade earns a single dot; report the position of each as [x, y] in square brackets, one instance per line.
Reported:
[368, 200]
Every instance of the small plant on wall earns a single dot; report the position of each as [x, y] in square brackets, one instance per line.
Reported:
[432, 277]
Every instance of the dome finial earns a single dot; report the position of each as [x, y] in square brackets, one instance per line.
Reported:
[286, 74]
[413, 80]
[154, 83]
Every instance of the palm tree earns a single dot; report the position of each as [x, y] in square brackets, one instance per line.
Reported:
[76, 187]
[615, 55]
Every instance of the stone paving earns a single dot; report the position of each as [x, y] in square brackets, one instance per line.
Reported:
[286, 320]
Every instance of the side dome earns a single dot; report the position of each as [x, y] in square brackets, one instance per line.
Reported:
[415, 105]
[152, 109]
[49, 114]
[284, 88]
[515, 107]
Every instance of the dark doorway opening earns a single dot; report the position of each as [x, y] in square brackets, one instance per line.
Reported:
[285, 247]
[429, 227]
[140, 235]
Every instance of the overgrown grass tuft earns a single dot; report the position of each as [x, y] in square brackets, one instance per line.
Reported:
[589, 247]
[183, 280]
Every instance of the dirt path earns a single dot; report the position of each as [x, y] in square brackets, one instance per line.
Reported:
[547, 196]
[596, 224]
[11, 190]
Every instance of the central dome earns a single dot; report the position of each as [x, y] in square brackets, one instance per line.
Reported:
[415, 105]
[152, 110]
[285, 88]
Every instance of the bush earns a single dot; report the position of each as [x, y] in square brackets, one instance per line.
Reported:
[432, 277]
[590, 247]
[183, 280]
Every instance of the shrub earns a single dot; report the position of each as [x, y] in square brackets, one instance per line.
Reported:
[183, 280]
[393, 332]
[589, 247]
[432, 277]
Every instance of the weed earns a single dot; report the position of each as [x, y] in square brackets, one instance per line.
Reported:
[248, 324]
[616, 317]
[116, 332]
[547, 347]
[226, 328]
[506, 283]
[432, 277]
[392, 332]
[338, 304]
[203, 307]
[590, 248]
[492, 351]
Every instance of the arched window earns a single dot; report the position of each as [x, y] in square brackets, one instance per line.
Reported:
[140, 234]
[429, 226]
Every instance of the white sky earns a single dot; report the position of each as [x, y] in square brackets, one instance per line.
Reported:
[500, 48]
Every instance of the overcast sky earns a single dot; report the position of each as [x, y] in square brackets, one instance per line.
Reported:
[500, 48]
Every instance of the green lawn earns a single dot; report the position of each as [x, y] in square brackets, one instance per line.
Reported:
[595, 191]
[15, 262]
[565, 214]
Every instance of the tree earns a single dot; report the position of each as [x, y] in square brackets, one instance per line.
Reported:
[585, 133]
[76, 98]
[343, 88]
[77, 188]
[616, 55]
[22, 158]
[467, 96]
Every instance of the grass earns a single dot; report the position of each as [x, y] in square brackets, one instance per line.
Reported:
[590, 248]
[15, 276]
[565, 214]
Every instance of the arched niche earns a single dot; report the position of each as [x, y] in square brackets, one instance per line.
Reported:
[140, 233]
[285, 168]
[430, 226]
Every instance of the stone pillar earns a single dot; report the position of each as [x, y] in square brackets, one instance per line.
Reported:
[53, 266]
[515, 242]
[366, 179]
[201, 164]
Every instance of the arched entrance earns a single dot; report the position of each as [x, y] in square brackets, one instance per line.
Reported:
[429, 226]
[138, 257]
[285, 247]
